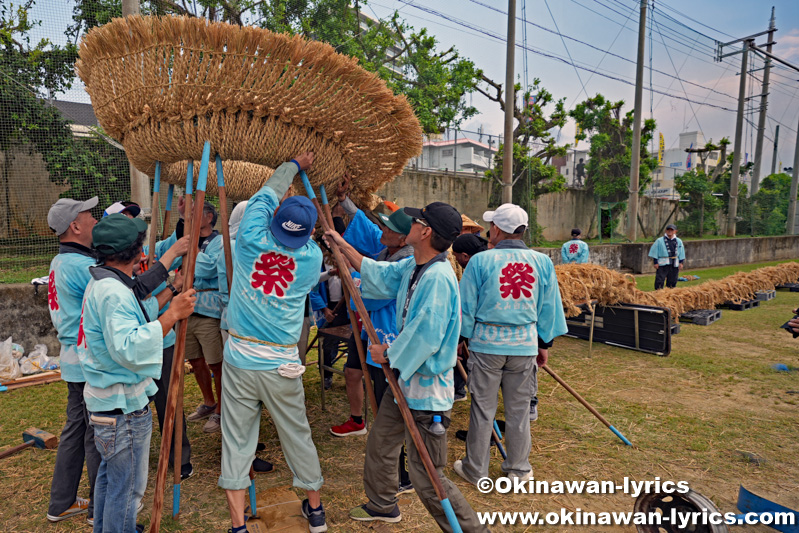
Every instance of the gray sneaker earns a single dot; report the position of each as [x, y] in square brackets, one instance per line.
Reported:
[201, 413]
[213, 425]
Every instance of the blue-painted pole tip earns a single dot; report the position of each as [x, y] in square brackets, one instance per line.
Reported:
[451, 518]
[220, 174]
[622, 437]
[175, 499]
[496, 428]
[323, 194]
[307, 184]
[169, 196]
[253, 503]
[189, 176]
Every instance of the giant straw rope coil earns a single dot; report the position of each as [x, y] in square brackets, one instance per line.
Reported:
[581, 284]
[162, 86]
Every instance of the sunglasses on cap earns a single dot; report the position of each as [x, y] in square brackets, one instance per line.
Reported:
[422, 222]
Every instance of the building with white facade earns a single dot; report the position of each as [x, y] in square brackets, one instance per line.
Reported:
[463, 155]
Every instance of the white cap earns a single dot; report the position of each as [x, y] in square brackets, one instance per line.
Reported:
[118, 207]
[507, 217]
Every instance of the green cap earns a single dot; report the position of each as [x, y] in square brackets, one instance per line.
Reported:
[116, 232]
[398, 221]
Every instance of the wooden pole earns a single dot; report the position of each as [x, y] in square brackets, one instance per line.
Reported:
[587, 405]
[172, 414]
[220, 184]
[370, 392]
[154, 213]
[392, 380]
[167, 210]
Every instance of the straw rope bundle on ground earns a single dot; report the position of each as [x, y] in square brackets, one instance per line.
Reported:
[581, 284]
[163, 85]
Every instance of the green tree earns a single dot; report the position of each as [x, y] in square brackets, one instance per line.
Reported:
[697, 187]
[434, 81]
[533, 148]
[29, 72]
[610, 134]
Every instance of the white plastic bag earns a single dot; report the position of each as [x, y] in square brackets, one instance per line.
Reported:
[17, 351]
[36, 361]
[9, 368]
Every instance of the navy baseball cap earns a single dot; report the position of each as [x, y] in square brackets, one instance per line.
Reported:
[294, 222]
[443, 218]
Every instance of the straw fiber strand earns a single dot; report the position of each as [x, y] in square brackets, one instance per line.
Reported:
[583, 283]
[162, 86]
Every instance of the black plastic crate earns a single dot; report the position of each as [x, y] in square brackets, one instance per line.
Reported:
[701, 317]
[765, 296]
[793, 287]
[743, 306]
[636, 327]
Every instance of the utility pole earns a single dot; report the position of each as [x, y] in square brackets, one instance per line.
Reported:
[791, 222]
[139, 181]
[761, 123]
[510, 104]
[774, 156]
[736, 156]
[635, 165]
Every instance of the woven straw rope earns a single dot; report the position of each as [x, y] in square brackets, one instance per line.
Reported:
[162, 86]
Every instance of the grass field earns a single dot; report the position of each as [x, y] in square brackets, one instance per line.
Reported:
[689, 416]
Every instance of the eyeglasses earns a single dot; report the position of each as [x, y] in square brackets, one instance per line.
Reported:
[422, 222]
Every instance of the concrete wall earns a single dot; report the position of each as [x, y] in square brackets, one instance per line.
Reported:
[30, 194]
[718, 252]
[26, 317]
[468, 193]
[606, 255]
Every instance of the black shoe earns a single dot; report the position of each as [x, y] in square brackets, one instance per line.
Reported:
[261, 447]
[186, 471]
[328, 383]
[139, 528]
[460, 396]
[261, 466]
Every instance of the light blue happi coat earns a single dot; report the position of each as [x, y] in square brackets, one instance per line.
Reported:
[69, 276]
[660, 252]
[270, 284]
[574, 251]
[425, 350]
[510, 297]
[206, 280]
[121, 352]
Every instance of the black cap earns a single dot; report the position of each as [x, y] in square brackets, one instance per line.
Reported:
[443, 218]
[671, 226]
[116, 232]
[576, 231]
[469, 243]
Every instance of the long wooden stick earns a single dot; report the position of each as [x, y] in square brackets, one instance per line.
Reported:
[392, 380]
[496, 438]
[176, 379]
[587, 405]
[370, 392]
[220, 184]
[167, 210]
[155, 212]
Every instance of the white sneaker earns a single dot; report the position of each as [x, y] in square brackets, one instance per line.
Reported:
[524, 477]
[457, 466]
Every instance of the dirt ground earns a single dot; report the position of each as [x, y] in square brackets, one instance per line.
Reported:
[689, 415]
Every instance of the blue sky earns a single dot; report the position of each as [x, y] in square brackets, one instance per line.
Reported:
[683, 41]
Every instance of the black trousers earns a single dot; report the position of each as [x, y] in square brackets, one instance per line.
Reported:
[667, 274]
[160, 407]
[330, 346]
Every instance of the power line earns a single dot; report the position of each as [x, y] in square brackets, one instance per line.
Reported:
[546, 3]
[501, 38]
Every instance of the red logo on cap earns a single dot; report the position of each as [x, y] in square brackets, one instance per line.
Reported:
[52, 294]
[273, 273]
[573, 248]
[516, 280]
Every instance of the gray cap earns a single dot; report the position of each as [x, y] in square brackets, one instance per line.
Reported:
[671, 226]
[65, 211]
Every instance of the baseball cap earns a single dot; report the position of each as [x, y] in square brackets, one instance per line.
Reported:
[116, 232]
[65, 211]
[118, 207]
[671, 226]
[469, 243]
[398, 221]
[443, 218]
[294, 221]
[507, 217]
